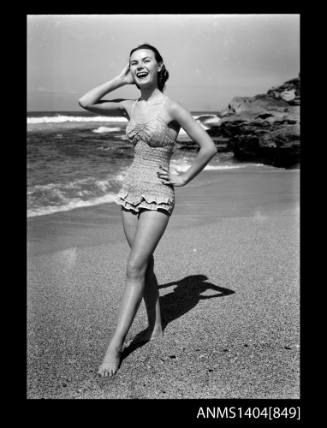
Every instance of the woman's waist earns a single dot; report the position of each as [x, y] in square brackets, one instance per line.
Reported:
[153, 150]
[142, 160]
[148, 185]
[146, 170]
[140, 172]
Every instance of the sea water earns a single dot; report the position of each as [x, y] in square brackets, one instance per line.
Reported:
[79, 159]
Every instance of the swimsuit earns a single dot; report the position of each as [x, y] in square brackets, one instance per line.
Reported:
[153, 142]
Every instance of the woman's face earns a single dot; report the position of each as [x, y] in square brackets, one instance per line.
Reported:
[144, 67]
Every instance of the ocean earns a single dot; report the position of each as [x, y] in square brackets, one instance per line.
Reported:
[79, 159]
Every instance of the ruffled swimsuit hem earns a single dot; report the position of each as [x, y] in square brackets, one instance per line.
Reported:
[134, 203]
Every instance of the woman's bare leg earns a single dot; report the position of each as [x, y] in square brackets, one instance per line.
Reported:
[150, 228]
[151, 292]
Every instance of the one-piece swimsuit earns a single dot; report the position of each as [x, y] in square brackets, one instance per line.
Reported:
[153, 142]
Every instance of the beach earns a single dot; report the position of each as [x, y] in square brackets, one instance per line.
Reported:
[228, 274]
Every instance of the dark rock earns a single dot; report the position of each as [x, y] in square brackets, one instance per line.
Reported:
[265, 127]
[257, 104]
[288, 91]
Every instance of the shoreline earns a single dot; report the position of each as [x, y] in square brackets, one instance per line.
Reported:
[196, 203]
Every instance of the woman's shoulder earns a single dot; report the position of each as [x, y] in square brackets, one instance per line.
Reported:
[170, 102]
[174, 108]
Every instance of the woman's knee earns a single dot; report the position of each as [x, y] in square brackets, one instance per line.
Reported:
[135, 269]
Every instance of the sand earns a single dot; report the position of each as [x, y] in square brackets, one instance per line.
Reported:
[228, 273]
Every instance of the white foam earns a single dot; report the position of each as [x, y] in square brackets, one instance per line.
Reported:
[63, 118]
[181, 165]
[203, 125]
[105, 129]
[80, 188]
[212, 121]
[72, 204]
[207, 119]
[101, 184]
[223, 167]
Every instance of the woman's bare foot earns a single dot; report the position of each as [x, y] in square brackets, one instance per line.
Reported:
[147, 335]
[110, 362]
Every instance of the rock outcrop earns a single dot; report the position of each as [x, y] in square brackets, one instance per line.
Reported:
[289, 91]
[265, 127]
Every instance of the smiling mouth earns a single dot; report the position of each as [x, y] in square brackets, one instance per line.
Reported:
[141, 74]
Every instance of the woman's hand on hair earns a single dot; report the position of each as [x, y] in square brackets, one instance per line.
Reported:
[167, 177]
[126, 76]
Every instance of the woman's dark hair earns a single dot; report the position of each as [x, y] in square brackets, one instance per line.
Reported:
[163, 74]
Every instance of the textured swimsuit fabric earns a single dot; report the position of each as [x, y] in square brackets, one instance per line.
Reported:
[153, 142]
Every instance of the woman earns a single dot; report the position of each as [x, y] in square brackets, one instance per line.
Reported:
[147, 196]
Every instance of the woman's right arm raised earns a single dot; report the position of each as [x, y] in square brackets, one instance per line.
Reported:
[92, 100]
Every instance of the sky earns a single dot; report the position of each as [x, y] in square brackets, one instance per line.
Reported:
[211, 58]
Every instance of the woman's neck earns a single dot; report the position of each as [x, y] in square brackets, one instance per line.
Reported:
[148, 94]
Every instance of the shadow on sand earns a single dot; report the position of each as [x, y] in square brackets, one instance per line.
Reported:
[184, 297]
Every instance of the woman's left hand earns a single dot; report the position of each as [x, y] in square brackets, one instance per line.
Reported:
[169, 178]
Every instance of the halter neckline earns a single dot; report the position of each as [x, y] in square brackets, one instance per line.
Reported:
[159, 102]
[155, 99]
